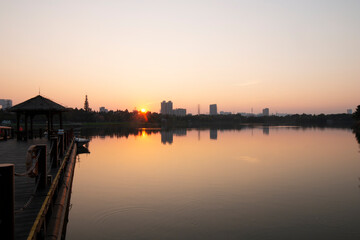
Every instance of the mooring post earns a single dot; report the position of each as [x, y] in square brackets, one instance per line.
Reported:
[7, 201]
[54, 152]
[42, 165]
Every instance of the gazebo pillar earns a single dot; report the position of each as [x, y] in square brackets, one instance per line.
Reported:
[18, 115]
[61, 123]
[31, 126]
[52, 121]
[26, 127]
[48, 124]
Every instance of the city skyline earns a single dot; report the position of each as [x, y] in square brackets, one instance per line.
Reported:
[293, 57]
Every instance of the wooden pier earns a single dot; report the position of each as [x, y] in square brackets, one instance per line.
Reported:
[41, 203]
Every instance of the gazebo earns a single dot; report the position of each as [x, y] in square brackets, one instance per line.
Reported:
[37, 106]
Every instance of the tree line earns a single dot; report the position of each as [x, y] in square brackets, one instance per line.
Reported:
[156, 119]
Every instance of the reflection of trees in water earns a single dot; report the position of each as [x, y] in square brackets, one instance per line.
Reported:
[115, 131]
[357, 135]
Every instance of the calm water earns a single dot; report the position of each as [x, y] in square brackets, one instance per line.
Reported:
[261, 183]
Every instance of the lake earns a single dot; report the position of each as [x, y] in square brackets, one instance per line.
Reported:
[247, 183]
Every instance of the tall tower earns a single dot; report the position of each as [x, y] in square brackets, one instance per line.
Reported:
[86, 104]
[198, 109]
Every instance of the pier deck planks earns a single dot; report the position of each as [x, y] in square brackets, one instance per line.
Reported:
[12, 151]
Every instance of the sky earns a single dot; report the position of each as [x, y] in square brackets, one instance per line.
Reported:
[290, 56]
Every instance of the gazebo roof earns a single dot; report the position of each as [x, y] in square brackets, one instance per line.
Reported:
[38, 104]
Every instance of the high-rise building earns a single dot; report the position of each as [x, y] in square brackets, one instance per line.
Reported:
[166, 107]
[349, 111]
[163, 107]
[266, 112]
[213, 109]
[169, 107]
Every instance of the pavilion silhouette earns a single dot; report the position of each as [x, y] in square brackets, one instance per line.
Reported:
[38, 105]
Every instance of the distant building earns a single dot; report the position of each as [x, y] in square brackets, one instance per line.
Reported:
[266, 112]
[103, 110]
[5, 103]
[225, 113]
[179, 112]
[213, 109]
[166, 107]
[349, 111]
[246, 114]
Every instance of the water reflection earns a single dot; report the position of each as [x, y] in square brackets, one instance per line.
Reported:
[167, 136]
[116, 131]
[292, 184]
[213, 134]
[266, 130]
[357, 135]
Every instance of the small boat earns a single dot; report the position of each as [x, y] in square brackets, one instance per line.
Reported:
[82, 150]
[81, 141]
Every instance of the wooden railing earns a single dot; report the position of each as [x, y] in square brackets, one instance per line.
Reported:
[59, 144]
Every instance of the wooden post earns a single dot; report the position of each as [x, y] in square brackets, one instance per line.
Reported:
[18, 126]
[7, 201]
[48, 125]
[26, 127]
[42, 165]
[61, 145]
[60, 118]
[6, 134]
[31, 126]
[54, 152]
[51, 121]
[65, 140]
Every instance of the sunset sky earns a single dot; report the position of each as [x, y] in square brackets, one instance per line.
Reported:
[289, 56]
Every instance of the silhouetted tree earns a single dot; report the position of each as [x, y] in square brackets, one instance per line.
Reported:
[356, 114]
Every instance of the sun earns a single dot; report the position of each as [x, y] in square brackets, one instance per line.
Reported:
[143, 110]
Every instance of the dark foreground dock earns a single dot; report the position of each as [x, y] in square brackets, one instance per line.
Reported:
[40, 204]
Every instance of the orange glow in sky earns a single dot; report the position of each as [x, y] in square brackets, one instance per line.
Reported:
[289, 56]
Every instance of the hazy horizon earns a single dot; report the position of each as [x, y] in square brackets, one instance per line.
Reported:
[289, 56]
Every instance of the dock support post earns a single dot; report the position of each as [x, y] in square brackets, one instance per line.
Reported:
[42, 165]
[7, 201]
[54, 152]
[65, 140]
[61, 145]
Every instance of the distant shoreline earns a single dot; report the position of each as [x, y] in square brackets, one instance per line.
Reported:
[135, 119]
